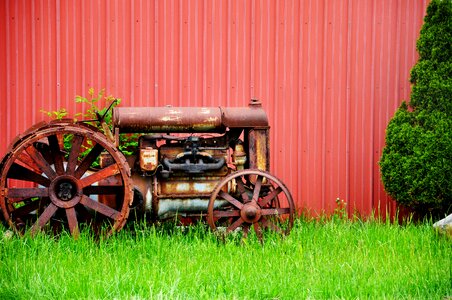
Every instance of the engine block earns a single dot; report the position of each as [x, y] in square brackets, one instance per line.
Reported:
[190, 151]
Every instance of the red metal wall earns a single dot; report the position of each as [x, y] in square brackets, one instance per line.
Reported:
[330, 73]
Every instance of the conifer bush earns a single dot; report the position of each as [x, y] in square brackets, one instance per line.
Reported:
[416, 164]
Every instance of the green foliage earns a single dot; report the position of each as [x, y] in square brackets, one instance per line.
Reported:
[93, 111]
[318, 260]
[432, 75]
[57, 114]
[434, 42]
[128, 143]
[340, 212]
[416, 164]
[432, 89]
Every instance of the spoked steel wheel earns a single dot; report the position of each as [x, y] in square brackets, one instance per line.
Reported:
[49, 181]
[251, 199]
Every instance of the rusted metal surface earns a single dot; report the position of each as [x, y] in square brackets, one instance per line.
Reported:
[189, 174]
[259, 150]
[239, 157]
[265, 204]
[184, 187]
[252, 117]
[185, 207]
[167, 119]
[188, 187]
[148, 159]
[61, 182]
[188, 119]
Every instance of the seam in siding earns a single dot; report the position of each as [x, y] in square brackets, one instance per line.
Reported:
[347, 104]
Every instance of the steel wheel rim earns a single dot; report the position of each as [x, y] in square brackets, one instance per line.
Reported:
[255, 205]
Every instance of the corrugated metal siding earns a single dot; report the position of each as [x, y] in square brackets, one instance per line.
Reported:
[329, 73]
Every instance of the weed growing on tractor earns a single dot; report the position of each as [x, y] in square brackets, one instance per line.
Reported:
[319, 259]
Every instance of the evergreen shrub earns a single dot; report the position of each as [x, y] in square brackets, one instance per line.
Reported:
[416, 164]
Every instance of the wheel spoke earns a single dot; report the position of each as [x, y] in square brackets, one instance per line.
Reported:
[275, 211]
[226, 213]
[23, 193]
[26, 160]
[41, 162]
[100, 208]
[257, 188]
[99, 175]
[21, 173]
[72, 221]
[73, 156]
[56, 153]
[258, 231]
[268, 224]
[26, 209]
[246, 230]
[270, 197]
[88, 160]
[103, 189]
[242, 191]
[44, 218]
[231, 199]
[235, 225]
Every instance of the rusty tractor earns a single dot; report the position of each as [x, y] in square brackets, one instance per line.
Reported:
[208, 163]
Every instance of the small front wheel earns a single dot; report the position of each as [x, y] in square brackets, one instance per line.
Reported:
[251, 199]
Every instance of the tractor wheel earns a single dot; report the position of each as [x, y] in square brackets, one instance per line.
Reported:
[251, 199]
[50, 180]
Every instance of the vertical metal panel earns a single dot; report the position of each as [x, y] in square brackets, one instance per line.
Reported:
[329, 73]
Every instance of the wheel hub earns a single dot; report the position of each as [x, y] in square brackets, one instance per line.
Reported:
[250, 213]
[65, 191]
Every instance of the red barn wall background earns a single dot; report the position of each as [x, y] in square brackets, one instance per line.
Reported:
[330, 74]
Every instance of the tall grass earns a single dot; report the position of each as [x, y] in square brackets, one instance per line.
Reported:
[318, 260]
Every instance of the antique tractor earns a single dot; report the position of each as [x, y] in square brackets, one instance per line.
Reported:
[208, 163]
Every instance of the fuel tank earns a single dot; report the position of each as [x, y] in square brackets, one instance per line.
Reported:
[188, 119]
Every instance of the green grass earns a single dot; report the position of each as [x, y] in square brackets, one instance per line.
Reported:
[318, 260]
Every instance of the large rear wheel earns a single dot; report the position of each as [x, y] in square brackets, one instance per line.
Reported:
[51, 180]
